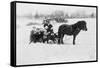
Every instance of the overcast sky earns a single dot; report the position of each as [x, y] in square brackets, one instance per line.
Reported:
[26, 8]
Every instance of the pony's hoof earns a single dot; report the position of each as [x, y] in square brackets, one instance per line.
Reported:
[73, 43]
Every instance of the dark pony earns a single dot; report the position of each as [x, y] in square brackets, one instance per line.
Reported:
[73, 30]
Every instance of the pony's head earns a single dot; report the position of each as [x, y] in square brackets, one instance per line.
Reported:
[82, 25]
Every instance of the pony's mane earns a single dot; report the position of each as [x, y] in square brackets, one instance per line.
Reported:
[79, 24]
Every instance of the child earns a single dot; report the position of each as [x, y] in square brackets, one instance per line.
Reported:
[49, 29]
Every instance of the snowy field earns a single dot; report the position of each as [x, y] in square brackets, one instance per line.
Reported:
[84, 50]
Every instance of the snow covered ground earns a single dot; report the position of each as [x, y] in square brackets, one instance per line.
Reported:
[84, 50]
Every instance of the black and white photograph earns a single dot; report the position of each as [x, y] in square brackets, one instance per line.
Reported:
[55, 33]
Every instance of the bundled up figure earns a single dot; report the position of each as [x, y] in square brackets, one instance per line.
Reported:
[50, 35]
[36, 36]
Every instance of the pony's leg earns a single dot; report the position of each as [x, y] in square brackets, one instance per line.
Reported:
[62, 38]
[74, 37]
[59, 39]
